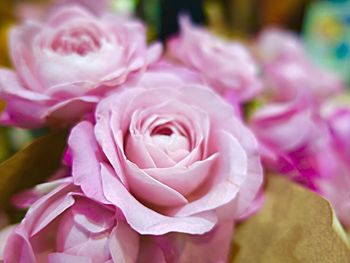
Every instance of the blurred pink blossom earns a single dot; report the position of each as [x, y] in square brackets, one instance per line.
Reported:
[227, 66]
[288, 72]
[336, 187]
[65, 65]
[293, 141]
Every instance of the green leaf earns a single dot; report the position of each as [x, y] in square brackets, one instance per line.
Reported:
[295, 225]
[32, 165]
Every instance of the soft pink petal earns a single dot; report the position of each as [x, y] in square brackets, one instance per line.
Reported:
[4, 235]
[184, 179]
[124, 244]
[144, 186]
[229, 175]
[147, 221]
[86, 166]
[64, 258]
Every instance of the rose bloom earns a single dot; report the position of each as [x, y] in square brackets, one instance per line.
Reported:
[66, 226]
[172, 156]
[227, 66]
[65, 65]
[310, 147]
[288, 72]
[336, 186]
[293, 141]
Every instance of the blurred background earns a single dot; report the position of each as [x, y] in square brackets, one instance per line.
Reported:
[324, 26]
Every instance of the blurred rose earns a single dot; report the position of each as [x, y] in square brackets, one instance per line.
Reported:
[274, 43]
[25, 10]
[338, 120]
[336, 186]
[226, 66]
[97, 7]
[288, 72]
[292, 140]
[64, 66]
[168, 156]
[65, 226]
[312, 149]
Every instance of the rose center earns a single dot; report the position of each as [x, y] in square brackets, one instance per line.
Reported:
[170, 139]
[162, 131]
[77, 41]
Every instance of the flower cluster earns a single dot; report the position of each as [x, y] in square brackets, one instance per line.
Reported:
[162, 162]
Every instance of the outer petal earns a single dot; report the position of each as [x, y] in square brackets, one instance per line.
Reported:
[86, 166]
[22, 54]
[184, 179]
[124, 244]
[147, 221]
[4, 235]
[71, 110]
[64, 258]
[229, 175]
[211, 247]
[144, 187]
[24, 108]
[18, 248]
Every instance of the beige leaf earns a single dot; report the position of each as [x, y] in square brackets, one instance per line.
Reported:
[32, 165]
[295, 225]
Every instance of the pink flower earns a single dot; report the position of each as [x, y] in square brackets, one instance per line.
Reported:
[292, 140]
[338, 120]
[64, 66]
[170, 156]
[310, 147]
[336, 187]
[274, 43]
[65, 226]
[288, 72]
[226, 66]
[98, 7]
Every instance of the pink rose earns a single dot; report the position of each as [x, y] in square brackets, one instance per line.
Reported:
[98, 7]
[288, 72]
[33, 10]
[64, 66]
[65, 226]
[293, 140]
[338, 121]
[227, 66]
[311, 147]
[172, 157]
[275, 43]
[336, 186]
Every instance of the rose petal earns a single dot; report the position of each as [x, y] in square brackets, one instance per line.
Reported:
[124, 244]
[229, 175]
[64, 258]
[86, 167]
[184, 179]
[144, 186]
[147, 221]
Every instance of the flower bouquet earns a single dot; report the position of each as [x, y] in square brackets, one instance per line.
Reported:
[201, 150]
